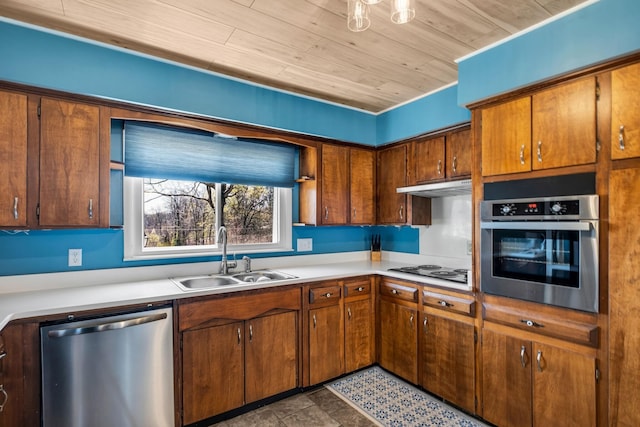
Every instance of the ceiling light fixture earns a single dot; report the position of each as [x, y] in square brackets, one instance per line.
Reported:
[402, 11]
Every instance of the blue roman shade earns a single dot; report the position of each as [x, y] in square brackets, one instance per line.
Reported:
[157, 151]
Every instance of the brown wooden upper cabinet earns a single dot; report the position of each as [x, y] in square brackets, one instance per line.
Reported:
[347, 185]
[552, 128]
[13, 157]
[443, 157]
[625, 120]
[394, 207]
[69, 164]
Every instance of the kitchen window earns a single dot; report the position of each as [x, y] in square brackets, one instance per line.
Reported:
[181, 185]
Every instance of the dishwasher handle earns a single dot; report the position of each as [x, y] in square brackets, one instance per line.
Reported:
[108, 326]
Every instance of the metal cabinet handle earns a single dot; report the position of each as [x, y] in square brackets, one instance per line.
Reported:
[539, 151]
[15, 208]
[315, 321]
[523, 353]
[411, 320]
[402, 212]
[349, 312]
[250, 333]
[355, 211]
[425, 325]
[522, 155]
[90, 208]
[439, 167]
[326, 212]
[360, 288]
[3, 354]
[5, 398]
[445, 304]
[394, 291]
[539, 360]
[99, 326]
[327, 295]
[621, 137]
[454, 164]
[239, 336]
[531, 323]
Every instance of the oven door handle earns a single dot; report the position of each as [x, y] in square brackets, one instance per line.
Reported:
[569, 226]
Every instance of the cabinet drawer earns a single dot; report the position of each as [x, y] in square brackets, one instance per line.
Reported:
[325, 294]
[398, 291]
[360, 287]
[449, 303]
[557, 327]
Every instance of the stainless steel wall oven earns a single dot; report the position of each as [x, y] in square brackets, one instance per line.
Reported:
[541, 249]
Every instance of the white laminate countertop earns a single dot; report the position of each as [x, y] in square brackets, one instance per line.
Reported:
[57, 293]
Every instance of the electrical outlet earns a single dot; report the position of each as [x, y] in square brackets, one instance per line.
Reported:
[305, 245]
[469, 247]
[75, 257]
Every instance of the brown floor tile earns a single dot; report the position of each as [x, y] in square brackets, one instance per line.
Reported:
[311, 416]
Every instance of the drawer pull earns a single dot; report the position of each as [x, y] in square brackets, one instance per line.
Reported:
[439, 167]
[539, 360]
[425, 325]
[3, 354]
[411, 320]
[5, 398]
[250, 333]
[239, 336]
[454, 164]
[523, 353]
[315, 321]
[394, 291]
[402, 212]
[360, 288]
[327, 295]
[445, 304]
[539, 151]
[621, 137]
[349, 312]
[15, 208]
[522, 155]
[531, 323]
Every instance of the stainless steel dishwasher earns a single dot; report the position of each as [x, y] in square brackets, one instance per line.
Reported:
[110, 371]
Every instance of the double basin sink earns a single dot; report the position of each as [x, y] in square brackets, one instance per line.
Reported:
[215, 281]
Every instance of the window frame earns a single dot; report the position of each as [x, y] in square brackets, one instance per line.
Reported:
[134, 249]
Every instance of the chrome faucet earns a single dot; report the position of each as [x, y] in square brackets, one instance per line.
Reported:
[247, 264]
[224, 263]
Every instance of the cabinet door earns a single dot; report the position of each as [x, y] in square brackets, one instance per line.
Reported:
[564, 388]
[625, 120]
[363, 189]
[447, 352]
[564, 125]
[624, 296]
[506, 137]
[271, 363]
[13, 158]
[358, 330]
[326, 344]
[430, 160]
[506, 380]
[212, 371]
[335, 184]
[392, 167]
[399, 340]
[458, 150]
[69, 164]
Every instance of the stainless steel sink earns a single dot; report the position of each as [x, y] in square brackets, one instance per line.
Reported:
[262, 276]
[216, 281]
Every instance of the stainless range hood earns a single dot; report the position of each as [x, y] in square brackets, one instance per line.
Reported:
[440, 189]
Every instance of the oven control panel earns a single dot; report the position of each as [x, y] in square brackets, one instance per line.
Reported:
[542, 208]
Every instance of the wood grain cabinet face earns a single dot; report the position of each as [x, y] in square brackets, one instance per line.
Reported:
[392, 166]
[69, 164]
[398, 339]
[363, 188]
[359, 336]
[458, 153]
[335, 184]
[625, 104]
[430, 160]
[553, 128]
[529, 383]
[326, 343]
[13, 157]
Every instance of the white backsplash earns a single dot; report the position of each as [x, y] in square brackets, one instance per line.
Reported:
[450, 231]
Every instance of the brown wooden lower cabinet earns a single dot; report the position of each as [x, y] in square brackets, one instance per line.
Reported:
[238, 350]
[359, 323]
[398, 339]
[326, 344]
[447, 357]
[528, 383]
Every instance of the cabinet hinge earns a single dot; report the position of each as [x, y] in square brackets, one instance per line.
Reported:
[597, 90]
[38, 211]
[39, 110]
[597, 374]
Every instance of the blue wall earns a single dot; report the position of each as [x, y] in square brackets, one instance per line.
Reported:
[599, 32]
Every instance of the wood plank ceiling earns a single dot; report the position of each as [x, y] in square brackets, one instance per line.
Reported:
[302, 46]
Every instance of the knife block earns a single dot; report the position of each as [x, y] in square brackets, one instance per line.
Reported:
[376, 255]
